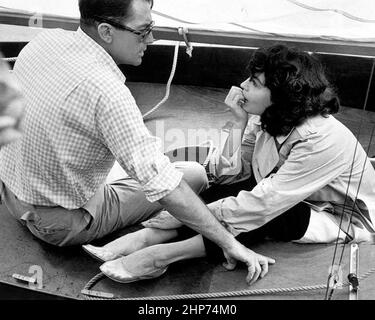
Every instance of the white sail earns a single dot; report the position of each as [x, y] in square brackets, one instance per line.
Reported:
[325, 19]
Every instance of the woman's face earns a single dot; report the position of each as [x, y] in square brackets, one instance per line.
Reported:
[257, 96]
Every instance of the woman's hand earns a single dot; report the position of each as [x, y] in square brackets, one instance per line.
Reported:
[235, 101]
[163, 220]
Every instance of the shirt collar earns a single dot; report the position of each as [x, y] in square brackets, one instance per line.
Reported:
[280, 138]
[102, 56]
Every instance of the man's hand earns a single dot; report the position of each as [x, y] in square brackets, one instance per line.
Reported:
[163, 220]
[257, 264]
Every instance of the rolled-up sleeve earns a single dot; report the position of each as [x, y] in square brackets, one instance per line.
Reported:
[138, 152]
[311, 165]
[233, 166]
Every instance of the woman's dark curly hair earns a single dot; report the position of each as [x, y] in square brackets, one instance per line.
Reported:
[299, 87]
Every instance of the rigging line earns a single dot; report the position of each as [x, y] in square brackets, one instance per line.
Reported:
[350, 176]
[369, 85]
[344, 13]
[342, 214]
[340, 225]
[355, 199]
[359, 186]
[367, 152]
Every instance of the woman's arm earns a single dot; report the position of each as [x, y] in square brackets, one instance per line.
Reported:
[311, 165]
[231, 162]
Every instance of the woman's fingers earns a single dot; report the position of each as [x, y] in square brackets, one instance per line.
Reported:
[235, 100]
[234, 97]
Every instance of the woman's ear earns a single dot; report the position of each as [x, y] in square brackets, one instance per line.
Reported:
[105, 32]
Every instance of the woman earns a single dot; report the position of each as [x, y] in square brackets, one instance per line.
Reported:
[289, 171]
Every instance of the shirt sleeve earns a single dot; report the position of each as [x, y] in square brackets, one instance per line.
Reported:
[138, 152]
[233, 166]
[311, 165]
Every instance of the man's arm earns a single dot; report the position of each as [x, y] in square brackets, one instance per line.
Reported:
[189, 209]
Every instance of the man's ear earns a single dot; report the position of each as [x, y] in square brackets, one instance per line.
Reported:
[105, 32]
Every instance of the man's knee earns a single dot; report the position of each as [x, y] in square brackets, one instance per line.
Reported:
[194, 174]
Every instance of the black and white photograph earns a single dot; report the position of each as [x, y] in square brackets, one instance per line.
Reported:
[187, 157]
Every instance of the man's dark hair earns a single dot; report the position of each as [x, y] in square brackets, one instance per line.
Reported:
[298, 84]
[117, 10]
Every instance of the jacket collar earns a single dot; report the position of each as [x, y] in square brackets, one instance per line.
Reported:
[280, 138]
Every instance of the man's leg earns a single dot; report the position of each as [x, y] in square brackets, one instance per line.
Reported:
[54, 225]
[125, 204]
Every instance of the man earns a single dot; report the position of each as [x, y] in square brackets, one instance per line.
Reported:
[11, 106]
[80, 118]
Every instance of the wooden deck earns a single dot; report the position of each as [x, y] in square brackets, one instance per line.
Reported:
[193, 113]
[67, 270]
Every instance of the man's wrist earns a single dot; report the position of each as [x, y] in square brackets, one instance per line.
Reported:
[228, 240]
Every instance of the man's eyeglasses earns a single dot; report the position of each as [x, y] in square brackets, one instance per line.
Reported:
[142, 34]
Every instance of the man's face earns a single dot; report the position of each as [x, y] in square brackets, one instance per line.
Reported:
[127, 47]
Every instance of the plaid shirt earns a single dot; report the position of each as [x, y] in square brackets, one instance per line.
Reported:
[79, 118]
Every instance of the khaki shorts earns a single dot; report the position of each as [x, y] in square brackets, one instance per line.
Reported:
[118, 204]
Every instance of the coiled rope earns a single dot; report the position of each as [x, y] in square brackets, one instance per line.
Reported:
[215, 295]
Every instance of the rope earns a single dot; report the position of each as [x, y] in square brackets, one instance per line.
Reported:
[169, 83]
[92, 283]
[216, 295]
[173, 71]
